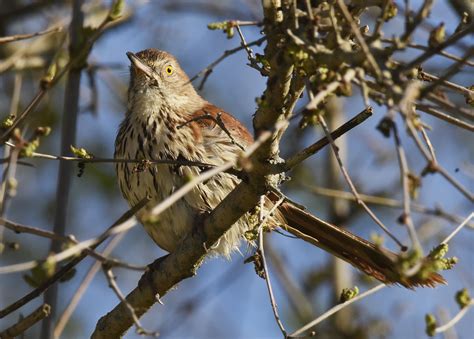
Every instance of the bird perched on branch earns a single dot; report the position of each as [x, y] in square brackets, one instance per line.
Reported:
[167, 119]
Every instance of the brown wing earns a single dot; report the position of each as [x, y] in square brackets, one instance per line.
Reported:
[210, 116]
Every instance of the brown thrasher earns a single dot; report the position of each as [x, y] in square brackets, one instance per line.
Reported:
[162, 122]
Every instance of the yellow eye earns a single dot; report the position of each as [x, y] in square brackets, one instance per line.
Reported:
[169, 70]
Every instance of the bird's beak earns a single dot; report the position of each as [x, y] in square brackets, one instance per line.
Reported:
[139, 64]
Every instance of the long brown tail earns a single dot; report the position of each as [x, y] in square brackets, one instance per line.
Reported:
[374, 260]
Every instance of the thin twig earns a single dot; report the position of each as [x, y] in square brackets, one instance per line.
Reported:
[443, 81]
[250, 55]
[352, 186]
[265, 267]
[95, 267]
[434, 166]
[425, 48]
[335, 309]
[435, 50]
[8, 186]
[46, 87]
[450, 107]
[455, 319]
[18, 37]
[65, 269]
[330, 88]
[208, 69]
[443, 116]
[113, 284]
[72, 250]
[405, 176]
[453, 233]
[20, 327]
[387, 202]
[296, 296]
[19, 228]
[180, 162]
[451, 71]
[360, 39]
[318, 145]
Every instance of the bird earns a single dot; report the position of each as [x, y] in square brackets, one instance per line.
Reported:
[166, 118]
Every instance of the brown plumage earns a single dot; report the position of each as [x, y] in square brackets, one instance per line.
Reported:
[167, 119]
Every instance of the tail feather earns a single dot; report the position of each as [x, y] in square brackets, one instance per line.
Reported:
[373, 260]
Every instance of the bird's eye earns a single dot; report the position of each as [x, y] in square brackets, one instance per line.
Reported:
[169, 70]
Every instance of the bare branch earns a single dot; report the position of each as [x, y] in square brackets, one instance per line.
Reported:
[20, 327]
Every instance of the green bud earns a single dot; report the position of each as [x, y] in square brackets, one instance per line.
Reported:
[116, 10]
[463, 298]
[470, 97]
[8, 122]
[390, 11]
[50, 75]
[81, 153]
[217, 25]
[437, 35]
[42, 272]
[348, 294]
[439, 251]
[430, 321]
[377, 239]
[230, 32]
